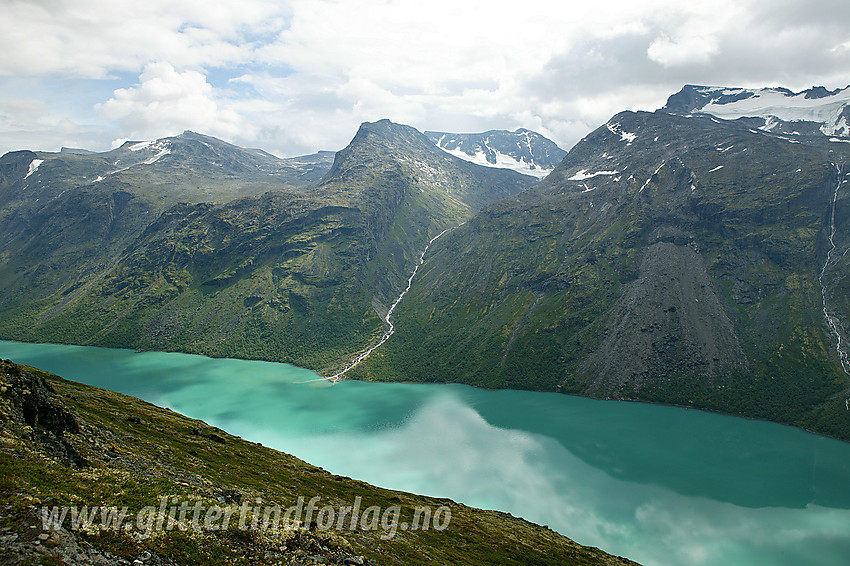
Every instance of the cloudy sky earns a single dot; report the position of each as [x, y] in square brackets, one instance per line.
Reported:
[295, 76]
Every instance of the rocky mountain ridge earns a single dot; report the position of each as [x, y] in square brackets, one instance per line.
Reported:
[813, 112]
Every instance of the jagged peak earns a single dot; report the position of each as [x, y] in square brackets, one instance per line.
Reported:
[820, 92]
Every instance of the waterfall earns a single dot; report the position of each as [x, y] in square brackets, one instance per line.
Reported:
[832, 322]
[390, 326]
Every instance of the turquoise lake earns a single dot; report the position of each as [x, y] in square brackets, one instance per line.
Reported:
[660, 485]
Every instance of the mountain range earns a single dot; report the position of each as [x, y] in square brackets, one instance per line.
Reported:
[671, 257]
[191, 244]
[696, 255]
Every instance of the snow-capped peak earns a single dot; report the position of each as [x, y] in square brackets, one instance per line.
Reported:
[830, 110]
[522, 150]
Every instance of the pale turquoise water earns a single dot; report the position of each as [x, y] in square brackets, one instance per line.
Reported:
[661, 485]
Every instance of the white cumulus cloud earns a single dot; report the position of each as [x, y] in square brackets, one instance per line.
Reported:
[294, 76]
[168, 101]
[94, 38]
[682, 51]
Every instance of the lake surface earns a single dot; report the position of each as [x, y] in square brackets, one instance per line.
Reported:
[660, 485]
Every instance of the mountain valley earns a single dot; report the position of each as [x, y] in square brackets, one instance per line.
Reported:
[696, 255]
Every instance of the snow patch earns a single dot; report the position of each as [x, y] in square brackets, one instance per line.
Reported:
[616, 129]
[162, 149]
[770, 124]
[33, 167]
[646, 183]
[503, 161]
[583, 174]
[140, 146]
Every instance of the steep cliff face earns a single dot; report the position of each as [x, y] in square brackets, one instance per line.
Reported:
[667, 258]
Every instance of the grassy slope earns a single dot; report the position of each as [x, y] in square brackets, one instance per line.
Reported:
[137, 453]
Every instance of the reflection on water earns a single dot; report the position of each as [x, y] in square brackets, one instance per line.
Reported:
[660, 485]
